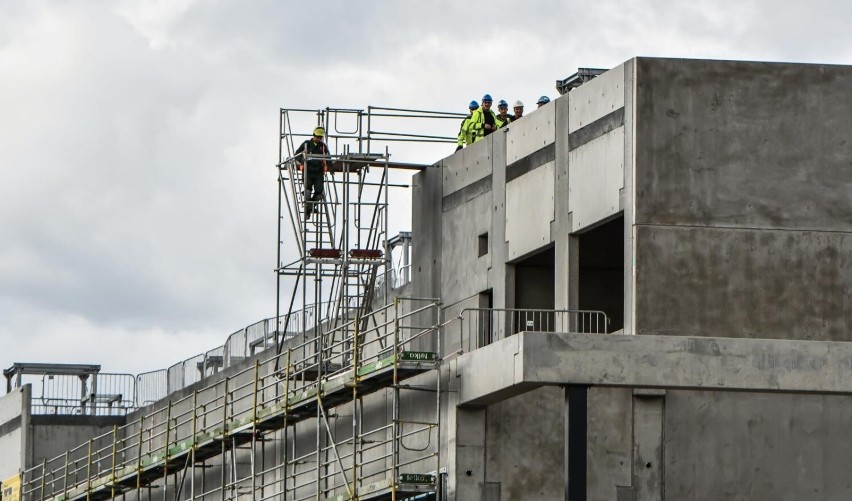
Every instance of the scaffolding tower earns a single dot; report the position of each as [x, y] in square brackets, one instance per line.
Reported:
[342, 250]
[345, 249]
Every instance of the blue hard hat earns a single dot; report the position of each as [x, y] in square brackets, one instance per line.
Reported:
[502, 104]
[473, 105]
[487, 97]
[543, 100]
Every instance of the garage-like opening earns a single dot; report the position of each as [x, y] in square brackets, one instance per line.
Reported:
[535, 290]
[601, 271]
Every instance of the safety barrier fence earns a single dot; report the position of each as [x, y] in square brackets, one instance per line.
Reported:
[397, 277]
[240, 345]
[262, 394]
[101, 394]
[482, 326]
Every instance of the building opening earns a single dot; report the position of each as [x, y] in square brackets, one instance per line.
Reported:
[601, 271]
[534, 293]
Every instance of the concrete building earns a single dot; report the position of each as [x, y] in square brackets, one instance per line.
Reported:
[702, 206]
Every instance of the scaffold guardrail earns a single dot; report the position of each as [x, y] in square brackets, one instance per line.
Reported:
[317, 373]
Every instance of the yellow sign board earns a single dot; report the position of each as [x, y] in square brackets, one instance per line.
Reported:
[10, 489]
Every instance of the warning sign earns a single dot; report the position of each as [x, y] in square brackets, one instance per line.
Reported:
[10, 489]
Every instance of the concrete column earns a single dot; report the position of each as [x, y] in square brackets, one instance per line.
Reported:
[627, 200]
[498, 278]
[469, 470]
[576, 431]
[565, 251]
[648, 415]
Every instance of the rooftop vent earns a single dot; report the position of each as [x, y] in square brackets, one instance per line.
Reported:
[582, 76]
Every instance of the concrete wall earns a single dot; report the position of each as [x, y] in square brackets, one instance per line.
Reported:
[529, 211]
[731, 178]
[742, 199]
[596, 137]
[717, 447]
[556, 173]
[741, 229]
[530, 187]
[524, 454]
[14, 421]
[51, 436]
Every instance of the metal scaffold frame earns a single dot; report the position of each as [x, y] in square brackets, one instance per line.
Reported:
[274, 396]
[343, 251]
[346, 244]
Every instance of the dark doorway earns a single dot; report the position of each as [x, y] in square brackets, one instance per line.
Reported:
[535, 291]
[601, 273]
[485, 314]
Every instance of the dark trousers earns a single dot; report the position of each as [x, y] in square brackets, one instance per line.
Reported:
[313, 190]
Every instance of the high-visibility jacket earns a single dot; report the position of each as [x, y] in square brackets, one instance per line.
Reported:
[476, 124]
[502, 122]
[465, 137]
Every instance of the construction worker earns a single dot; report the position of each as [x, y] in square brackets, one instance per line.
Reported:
[482, 121]
[313, 170]
[465, 139]
[542, 101]
[518, 109]
[503, 117]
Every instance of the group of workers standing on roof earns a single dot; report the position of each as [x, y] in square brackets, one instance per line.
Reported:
[483, 121]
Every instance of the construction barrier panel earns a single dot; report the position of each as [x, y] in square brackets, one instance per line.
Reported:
[10, 489]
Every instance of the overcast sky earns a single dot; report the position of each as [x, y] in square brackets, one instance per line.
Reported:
[138, 138]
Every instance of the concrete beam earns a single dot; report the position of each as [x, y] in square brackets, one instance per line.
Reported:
[528, 360]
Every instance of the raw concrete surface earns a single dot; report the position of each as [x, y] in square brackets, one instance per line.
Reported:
[754, 145]
[527, 360]
[529, 211]
[757, 154]
[14, 422]
[743, 283]
[524, 454]
[719, 447]
[532, 132]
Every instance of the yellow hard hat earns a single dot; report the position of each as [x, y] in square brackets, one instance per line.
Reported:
[319, 131]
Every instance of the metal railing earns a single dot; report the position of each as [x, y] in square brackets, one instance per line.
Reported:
[151, 386]
[397, 277]
[102, 394]
[238, 403]
[483, 326]
[240, 345]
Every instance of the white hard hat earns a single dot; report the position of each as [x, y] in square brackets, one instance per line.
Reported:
[518, 104]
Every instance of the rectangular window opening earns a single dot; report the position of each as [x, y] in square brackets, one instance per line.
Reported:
[483, 244]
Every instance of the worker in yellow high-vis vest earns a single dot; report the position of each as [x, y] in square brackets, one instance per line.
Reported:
[465, 138]
[482, 121]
